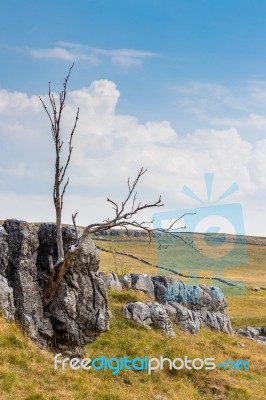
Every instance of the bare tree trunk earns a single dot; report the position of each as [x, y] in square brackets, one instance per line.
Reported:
[60, 247]
[122, 213]
[57, 277]
[58, 202]
[60, 169]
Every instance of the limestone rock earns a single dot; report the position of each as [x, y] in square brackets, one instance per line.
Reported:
[6, 299]
[111, 281]
[216, 320]
[184, 318]
[257, 334]
[261, 340]
[125, 281]
[143, 283]
[188, 306]
[79, 311]
[23, 244]
[3, 252]
[249, 332]
[194, 297]
[149, 314]
[138, 312]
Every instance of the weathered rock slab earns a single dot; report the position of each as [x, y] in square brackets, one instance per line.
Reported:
[78, 312]
[149, 314]
[111, 281]
[191, 307]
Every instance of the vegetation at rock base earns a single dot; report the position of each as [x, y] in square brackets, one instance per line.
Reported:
[26, 372]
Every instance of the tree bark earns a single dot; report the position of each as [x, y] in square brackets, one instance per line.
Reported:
[57, 277]
[60, 247]
[55, 116]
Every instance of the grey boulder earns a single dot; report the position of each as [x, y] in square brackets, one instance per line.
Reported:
[111, 281]
[143, 282]
[149, 314]
[79, 310]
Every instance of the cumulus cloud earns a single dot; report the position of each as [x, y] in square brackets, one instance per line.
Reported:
[108, 148]
[260, 161]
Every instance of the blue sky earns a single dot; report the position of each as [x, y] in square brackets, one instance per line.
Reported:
[208, 41]
[190, 74]
[218, 42]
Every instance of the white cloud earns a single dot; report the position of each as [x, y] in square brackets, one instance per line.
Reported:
[257, 89]
[126, 62]
[203, 89]
[109, 147]
[125, 58]
[10, 101]
[258, 121]
[112, 53]
[54, 53]
[260, 161]
[220, 106]
[17, 170]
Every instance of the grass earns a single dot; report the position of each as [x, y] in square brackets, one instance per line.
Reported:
[252, 273]
[246, 309]
[27, 373]
[249, 310]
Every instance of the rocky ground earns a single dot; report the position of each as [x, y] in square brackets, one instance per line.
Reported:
[79, 311]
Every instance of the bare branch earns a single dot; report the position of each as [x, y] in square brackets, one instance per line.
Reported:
[115, 206]
[133, 202]
[174, 235]
[178, 219]
[63, 192]
[70, 149]
[74, 216]
[47, 112]
[122, 217]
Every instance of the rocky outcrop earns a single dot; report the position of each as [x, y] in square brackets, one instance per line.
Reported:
[142, 282]
[111, 281]
[257, 334]
[191, 321]
[6, 292]
[149, 314]
[190, 307]
[77, 314]
[183, 317]
[6, 299]
[123, 234]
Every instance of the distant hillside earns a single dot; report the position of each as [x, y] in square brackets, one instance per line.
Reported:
[209, 237]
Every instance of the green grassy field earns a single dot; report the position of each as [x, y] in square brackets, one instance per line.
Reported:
[245, 308]
[27, 373]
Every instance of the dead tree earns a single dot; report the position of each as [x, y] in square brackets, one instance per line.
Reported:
[60, 183]
[124, 217]
[124, 213]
